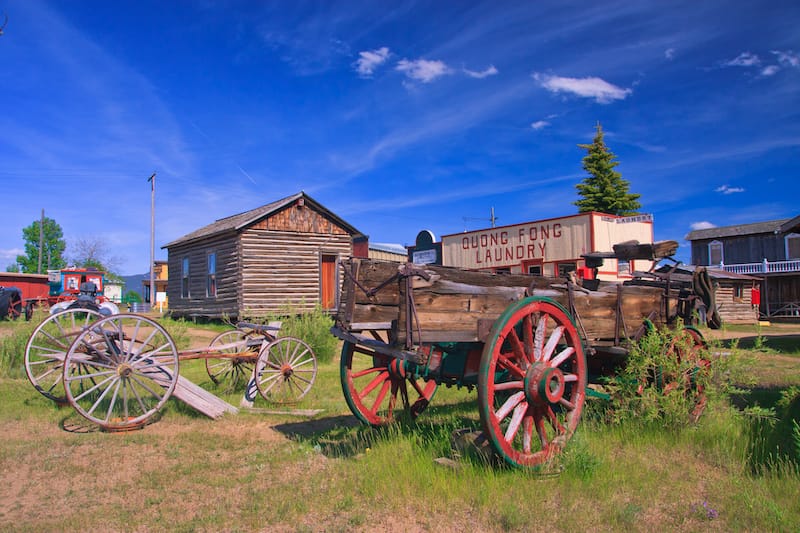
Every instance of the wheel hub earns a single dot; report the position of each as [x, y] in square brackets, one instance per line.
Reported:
[286, 370]
[544, 384]
[124, 370]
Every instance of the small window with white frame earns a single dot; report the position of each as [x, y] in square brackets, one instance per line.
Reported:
[211, 279]
[792, 246]
[185, 277]
[715, 255]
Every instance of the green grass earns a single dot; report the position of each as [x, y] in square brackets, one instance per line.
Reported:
[262, 471]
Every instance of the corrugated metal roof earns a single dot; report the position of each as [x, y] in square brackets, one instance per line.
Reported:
[242, 220]
[771, 226]
[388, 247]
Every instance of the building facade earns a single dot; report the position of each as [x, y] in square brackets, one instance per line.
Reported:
[281, 257]
[769, 250]
[550, 247]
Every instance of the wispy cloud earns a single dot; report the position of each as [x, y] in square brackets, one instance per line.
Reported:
[595, 88]
[745, 59]
[539, 124]
[724, 189]
[787, 58]
[369, 60]
[491, 70]
[669, 53]
[423, 70]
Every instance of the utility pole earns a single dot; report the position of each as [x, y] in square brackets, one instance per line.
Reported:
[152, 180]
[41, 242]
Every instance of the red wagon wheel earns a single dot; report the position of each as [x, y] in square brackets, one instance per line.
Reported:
[229, 367]
[532, 381]
[121, 371]
[372, 382]
[47, 348]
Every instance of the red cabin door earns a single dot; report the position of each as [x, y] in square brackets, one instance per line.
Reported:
[327, 281]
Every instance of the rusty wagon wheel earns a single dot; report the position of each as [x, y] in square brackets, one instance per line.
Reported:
[285, 370]
[532, 381]
[372, 382]
[688, 348]
[47, 348]
[229, 367]
[130, 370]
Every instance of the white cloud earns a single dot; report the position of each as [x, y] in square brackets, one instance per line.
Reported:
[669, 53]
[771, 70]
[369, 60]
[598, 89]
[702, 225]
[724, 189]
[490, 71]
[422, 69]
[787, 58]
[745, 59]
[540, 124]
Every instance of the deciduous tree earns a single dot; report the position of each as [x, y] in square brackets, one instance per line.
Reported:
[53, 246]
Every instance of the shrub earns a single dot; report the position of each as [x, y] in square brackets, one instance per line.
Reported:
[313, 328]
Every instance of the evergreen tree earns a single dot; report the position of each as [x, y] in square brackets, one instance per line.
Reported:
[604, 190]
[53, 246]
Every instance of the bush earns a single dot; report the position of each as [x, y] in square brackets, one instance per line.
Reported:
[315, 329]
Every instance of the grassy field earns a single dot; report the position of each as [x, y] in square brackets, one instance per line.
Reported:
[271, 470]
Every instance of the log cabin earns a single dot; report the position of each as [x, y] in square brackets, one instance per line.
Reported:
[278, 258]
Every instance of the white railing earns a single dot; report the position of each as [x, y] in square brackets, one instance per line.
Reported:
[764, 267]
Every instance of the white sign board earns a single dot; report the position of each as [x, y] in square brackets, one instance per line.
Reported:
[424, 257]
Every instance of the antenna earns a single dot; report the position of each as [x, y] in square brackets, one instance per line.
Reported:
[491, 219]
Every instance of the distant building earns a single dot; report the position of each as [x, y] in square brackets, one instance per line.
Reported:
[388, 252]
[283, 256]
[550, 247]
[769, 250]
[161, 278]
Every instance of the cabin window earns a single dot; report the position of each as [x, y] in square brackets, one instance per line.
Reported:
[211, 279]
[715, 255]
[623, 267]
[535, 270]
[185, 277]
[565, 268]
[793, 246]
[738, 293]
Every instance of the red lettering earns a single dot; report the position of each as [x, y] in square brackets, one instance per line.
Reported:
[478, 257]
[541, 247]
[520, 251]
[465, 243]
[484, 240]
[509, 254]
[545, 232]
[531, 251]
[504, 237]
[532, 233]
[488, 256]
[556, 230]
[493, 239]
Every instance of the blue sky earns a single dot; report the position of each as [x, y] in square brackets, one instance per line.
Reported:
[397, 116]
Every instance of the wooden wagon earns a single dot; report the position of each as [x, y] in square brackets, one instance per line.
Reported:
[527, 343]
[118, 371]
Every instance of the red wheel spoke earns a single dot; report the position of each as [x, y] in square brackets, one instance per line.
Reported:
[527, 433]
[510, 404]
[506, 363]
[551, 416]
[379, 399]
[516, 420]
[552, 342]
[563, 355]
[363, 373]
[380, 379]
[509, 385]
[538, 340]
[517, 347]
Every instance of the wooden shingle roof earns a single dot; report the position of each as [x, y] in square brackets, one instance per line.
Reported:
[772, 226]
[235, 223]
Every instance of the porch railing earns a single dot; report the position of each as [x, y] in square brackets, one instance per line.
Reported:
[764, 267]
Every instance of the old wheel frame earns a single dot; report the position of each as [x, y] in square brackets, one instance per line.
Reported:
[532, 381]
[47, 348]
[130, 369]
[285, 370]
[229, 367]
[687, 347]
[372, 382]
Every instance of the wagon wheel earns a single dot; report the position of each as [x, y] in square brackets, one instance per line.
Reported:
[229, 367]
[47, 348]
[532, 381]
[688, 348]
[285, 370]
[130, 368]
[372, 382]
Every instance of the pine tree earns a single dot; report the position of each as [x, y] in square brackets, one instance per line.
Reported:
[604, 190]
